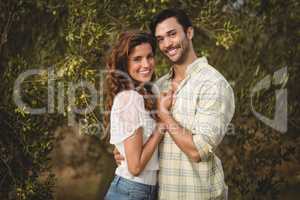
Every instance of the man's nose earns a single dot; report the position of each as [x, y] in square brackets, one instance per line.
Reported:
[167, 42]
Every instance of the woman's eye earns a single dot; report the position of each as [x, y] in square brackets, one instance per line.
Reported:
[151, 56]
[137, 59]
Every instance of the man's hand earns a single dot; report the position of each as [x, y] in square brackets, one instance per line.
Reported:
[118, 157]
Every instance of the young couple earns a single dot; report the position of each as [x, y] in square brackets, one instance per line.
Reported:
[194, 108]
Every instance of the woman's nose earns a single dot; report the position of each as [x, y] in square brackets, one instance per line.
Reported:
[145, 62]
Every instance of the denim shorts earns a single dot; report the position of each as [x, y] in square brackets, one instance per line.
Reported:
[124, 189]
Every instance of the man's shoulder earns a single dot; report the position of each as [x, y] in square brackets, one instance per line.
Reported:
[209, 73]
[209, 77]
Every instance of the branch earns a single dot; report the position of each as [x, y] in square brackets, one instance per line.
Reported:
[7, 26]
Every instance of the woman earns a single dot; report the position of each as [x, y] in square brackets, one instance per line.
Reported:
[133, 128]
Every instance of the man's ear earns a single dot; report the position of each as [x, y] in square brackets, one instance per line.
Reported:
[190, 32]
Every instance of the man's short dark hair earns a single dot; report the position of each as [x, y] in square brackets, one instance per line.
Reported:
[179, 14]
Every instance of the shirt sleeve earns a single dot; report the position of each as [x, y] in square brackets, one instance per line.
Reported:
[125, 115]
[214, 111]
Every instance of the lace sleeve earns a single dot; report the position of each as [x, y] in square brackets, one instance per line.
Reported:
[125, 115]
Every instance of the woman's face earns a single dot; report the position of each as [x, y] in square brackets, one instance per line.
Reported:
[141, 63]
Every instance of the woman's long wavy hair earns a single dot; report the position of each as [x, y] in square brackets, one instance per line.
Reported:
[118, 78]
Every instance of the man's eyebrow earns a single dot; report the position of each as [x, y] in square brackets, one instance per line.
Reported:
[168, 32]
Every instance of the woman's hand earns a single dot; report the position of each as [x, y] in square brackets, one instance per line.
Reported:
[164, 103]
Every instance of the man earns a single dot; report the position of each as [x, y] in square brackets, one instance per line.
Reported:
[202, 107]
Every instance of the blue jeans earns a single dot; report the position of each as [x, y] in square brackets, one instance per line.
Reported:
[124, 189]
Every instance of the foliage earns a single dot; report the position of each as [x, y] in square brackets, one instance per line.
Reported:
[245, 40]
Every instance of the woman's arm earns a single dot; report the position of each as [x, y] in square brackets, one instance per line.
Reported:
[136, 153]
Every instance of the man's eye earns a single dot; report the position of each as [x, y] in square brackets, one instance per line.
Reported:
[172, 34]
[159, 40]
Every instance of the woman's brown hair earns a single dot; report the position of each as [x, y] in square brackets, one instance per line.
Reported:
[118, 78]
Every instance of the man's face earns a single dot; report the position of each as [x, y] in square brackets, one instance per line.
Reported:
[173, 42]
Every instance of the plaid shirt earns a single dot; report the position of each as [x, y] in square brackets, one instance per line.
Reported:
[204, 104]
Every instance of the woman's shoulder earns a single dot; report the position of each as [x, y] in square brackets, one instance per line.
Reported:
[126, 93]
[128, 97]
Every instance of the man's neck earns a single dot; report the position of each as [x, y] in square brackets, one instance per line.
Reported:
[180, 69]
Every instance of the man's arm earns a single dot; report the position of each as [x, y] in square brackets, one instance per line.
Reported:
[183, 138]
[117, 156]
[215, 108]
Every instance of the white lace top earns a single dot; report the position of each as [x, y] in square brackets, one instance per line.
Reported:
[128, 114]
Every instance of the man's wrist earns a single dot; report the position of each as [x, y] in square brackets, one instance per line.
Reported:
[164, 116]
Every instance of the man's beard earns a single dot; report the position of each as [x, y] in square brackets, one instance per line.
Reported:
[184, 48]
